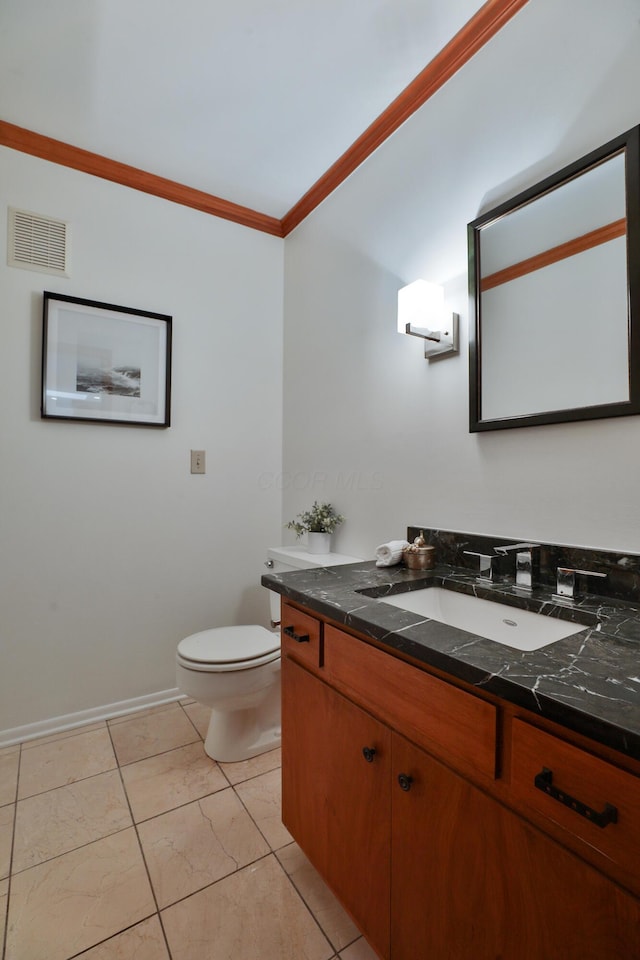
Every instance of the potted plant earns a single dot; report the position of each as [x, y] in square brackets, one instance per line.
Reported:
[318, 523]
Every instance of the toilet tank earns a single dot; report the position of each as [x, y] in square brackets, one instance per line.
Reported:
[287, 559]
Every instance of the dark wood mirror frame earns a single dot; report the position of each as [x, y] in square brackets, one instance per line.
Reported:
[629, 143]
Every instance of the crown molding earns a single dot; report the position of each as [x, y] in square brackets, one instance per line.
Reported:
[461, 48]
[69, 156]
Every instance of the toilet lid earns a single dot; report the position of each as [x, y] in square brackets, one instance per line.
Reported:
[229, 645]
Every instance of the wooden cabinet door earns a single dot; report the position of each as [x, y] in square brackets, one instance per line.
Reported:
[438, 855]
[472, 881]
[335, 802]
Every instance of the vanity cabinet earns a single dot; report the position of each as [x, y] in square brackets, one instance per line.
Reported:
[471, 880]
[591, 790]
[399, 788]
[337, 804]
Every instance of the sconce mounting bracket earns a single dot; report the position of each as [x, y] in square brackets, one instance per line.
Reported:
[438, 343]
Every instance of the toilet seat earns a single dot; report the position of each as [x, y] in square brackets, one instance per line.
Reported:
[228, 648]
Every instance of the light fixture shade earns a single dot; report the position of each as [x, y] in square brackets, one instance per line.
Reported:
[420, 304]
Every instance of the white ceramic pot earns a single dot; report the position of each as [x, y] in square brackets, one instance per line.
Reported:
[319, 542]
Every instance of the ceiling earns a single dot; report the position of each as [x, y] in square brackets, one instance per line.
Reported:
[250, 101]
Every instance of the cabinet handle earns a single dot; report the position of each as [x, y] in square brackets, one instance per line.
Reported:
[369, 753]
[298, 637]
[544, 781]
[405, 781]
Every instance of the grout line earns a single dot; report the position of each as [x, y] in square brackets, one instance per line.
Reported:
[93, 726]
[160, 753]
[179, 806]
[254, 776]
[141, 713]
[144, 859]
[271, 851]
[274, 853]
[59, 786]
[181, 705]
[307, 906]
[6, 920]
[56, 856]
[358, 935]
[112, 937]
[13, 841]
[213, 883]
[251, 817]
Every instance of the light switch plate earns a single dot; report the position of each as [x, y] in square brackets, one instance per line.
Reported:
[197, 461]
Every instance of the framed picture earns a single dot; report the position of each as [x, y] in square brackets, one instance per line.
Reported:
[105, 363]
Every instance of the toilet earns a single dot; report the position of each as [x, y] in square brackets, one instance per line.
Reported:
[236, 671]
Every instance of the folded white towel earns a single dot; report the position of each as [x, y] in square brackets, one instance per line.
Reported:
[388, 554]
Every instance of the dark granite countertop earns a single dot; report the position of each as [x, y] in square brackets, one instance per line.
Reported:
[589, 682]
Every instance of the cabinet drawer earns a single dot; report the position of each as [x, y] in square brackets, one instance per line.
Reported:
[301, 637]
[575, 790]
[450, 723]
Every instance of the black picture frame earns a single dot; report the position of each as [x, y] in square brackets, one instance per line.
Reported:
[629, 144]
[105, 363]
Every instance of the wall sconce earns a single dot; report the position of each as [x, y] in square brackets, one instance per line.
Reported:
[421, 313]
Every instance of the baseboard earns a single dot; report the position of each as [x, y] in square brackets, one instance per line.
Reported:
[44, 728]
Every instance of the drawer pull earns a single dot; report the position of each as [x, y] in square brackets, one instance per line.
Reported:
[405, 781]
[544, 781]
[369, 753]
[298, 637]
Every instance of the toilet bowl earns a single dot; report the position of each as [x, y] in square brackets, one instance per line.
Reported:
[236, 671]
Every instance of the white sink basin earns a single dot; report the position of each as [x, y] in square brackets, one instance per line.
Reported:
[520, 629]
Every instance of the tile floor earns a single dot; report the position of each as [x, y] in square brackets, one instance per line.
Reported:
[124, 841]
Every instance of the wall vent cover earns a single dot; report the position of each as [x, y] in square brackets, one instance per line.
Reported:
[38, 243]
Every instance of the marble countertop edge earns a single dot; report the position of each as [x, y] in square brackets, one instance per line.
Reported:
[589, 682]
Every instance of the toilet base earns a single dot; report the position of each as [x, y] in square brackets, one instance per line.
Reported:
[240, 735]
[244, 700]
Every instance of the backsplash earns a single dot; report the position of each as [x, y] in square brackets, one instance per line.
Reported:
[622, 569]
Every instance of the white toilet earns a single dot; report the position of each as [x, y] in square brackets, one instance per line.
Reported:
[236, 671]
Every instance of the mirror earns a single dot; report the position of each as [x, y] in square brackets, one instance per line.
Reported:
[554, 284]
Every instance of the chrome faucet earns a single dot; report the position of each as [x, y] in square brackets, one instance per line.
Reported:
[486, 566]
[566, 583]
[524, 563]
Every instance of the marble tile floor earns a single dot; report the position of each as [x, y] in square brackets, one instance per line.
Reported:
[122, 840]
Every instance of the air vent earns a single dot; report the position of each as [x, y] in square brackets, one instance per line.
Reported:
[38, 243]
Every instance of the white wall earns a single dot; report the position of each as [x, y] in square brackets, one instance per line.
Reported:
[369, 424]
[110, 551]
